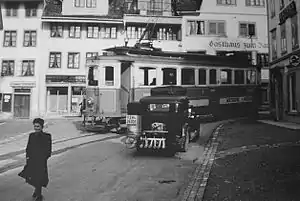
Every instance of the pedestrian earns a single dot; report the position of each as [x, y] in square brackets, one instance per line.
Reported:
[38, 151]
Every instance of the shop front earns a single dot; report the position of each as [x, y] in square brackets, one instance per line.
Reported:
[64, 94]
[285, 89]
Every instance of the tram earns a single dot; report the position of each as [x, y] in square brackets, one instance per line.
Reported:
[218, 87]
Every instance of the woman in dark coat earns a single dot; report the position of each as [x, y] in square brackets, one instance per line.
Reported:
[38, 151]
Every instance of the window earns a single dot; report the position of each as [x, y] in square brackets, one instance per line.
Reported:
[292, 102]
[27, 68]
[8, 67]
[31, 9]
[262, 59]
[281, 3]
[212, 76]
[274, 44]
[131, 32]
[55, 60]
[147, 76]
[75, 31]
[247, 30]
[11, 9]
[294, 27]
[226, 76]
[226, 2]
[283, 39]
[251, 77]
[255, 2]
[195, 27]
[187, 76]
[169, 76]
[216, 28]
[10, 38]
[29, 39]
[91, 3]
[73, 59]
[109, 76]
[108, 32]
[155, 7]
[92, 31]
[168, 33]
[79, 3]
[56, 31]
[239, 77]
[272, 8]
[202, 76]
[90, 55]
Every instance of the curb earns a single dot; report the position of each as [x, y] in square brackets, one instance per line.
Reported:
[196, 186]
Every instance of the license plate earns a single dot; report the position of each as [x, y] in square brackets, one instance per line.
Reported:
[131, 119]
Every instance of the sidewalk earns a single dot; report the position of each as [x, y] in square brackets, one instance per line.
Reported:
[250, 161]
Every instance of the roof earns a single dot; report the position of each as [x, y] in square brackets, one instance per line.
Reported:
[163, 99]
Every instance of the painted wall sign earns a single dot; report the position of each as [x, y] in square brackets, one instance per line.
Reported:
[236, 44]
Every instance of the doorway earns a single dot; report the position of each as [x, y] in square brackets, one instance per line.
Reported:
[22, 105]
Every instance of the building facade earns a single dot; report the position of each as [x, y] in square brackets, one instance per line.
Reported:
[19, 55]
[284, 35]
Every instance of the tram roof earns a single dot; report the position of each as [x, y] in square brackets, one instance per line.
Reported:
[135, 54]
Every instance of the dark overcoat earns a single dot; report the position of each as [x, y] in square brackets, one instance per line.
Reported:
[38, 151]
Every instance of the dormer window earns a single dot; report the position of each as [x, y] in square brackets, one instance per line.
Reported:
[11, 9]
[31, 9]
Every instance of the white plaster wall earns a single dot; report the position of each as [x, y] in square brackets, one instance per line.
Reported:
[19, 53]
[232, 15]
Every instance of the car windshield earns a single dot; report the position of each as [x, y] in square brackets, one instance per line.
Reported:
[159, 107]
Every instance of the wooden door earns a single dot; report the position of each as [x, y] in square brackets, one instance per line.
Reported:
[21, 105]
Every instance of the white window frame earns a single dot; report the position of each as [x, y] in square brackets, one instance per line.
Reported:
[255, 3]
[30, 68]
[109, 82]
[56, 57]
[274, 48]
[75, 31]
[226, 2]
[283, 38]
[73, 60]
[10, 38]
[192, 27]
[11, 64]
[79, 3]
[91, 3]
[247, 34]
[295, 31]
[217, 27]
[56, 30]
[108, 32]
[92, 31]
[30, 37]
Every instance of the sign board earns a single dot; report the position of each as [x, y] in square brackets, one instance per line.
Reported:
[21, 84]
[294, 60]
[131, 119]
[236, 44]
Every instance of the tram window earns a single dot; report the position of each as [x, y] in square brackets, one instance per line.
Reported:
[239, 77]
[226, 76]
[251, 77]
[146, 76]
[187, 76]
[202, 76]
[212, 76]
[169, 76]
[109, 76]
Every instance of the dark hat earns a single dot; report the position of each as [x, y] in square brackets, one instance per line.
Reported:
[39, 121]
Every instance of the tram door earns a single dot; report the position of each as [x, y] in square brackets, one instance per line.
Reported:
[125, 93]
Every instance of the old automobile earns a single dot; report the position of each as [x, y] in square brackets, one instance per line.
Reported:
[161, 121]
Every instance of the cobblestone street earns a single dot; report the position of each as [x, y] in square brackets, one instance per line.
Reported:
[255, 161]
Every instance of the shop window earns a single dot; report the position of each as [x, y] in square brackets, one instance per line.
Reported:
[292, 92]
[56, 30]
[251, 77]
[75, 31]
[147, 76]
[187, 76]
[28, 68]
[169, 76]
[10, 39]
[226, 76]
[55, 60]
[73, 60]
[202, 76]
[212, 76]
[29, 39]
[239, 77]
[8, 68]
[109, 76]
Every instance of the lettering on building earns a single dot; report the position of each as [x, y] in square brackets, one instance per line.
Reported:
[220, 44]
